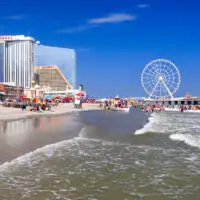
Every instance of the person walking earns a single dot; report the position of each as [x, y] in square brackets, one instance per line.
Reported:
[77, 103]
[81, 103]
[23, 106]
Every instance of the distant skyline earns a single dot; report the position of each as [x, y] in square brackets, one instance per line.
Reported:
[114, 40]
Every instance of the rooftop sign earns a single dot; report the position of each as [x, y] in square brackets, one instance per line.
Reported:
[47, 67]
[16, 37]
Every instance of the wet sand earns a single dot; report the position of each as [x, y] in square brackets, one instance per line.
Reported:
[30, 131]
[23, 132]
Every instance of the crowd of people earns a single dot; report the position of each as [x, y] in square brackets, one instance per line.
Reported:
[42, 104]
[26, 104]
[39, 106]
[161, 107]
[116, 103]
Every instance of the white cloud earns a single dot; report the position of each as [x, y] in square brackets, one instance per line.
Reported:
[96, 22]
[73, 29]
[13, 17]
[143, 5]
[113, 18]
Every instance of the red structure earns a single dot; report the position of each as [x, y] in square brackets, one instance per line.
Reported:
[188, 95]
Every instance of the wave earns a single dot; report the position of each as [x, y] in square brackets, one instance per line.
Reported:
[179, 127]
[153, 125]
[170, 123]
[82, 133]
[34, 157]
[146, 127]
[45, 152]
[188, 139]
[157, 123]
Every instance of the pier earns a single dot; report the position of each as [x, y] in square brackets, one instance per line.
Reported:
[174, 101]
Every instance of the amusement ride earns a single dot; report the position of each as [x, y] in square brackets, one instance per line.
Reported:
[160, 79]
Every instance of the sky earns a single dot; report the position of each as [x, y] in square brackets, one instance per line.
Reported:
[114, 40]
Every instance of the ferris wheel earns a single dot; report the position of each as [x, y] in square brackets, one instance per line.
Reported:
[160, 79]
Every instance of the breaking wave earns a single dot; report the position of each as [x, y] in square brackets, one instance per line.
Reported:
[183, 127]
[188, 139]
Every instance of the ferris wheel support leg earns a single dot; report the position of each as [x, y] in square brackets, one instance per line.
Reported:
[170, 94]
[154, 90]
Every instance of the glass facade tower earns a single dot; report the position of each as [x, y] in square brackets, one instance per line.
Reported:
[63, 58]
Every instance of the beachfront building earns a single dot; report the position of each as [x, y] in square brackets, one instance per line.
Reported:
[51, 76]
[16, 60]
[65, 93]
[62, 62]
[11, 91]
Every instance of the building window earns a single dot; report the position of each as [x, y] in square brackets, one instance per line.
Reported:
[2, 48]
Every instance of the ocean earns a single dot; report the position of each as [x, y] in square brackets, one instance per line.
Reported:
[113, 155]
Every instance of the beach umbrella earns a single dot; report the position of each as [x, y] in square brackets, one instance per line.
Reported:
[43, 102]
[36, 100]
[28, 97]
[22, 97]
[48, 97]
[102, 100]
[117, 98]
[80, 94]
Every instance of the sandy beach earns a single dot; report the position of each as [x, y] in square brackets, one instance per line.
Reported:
[62, 108]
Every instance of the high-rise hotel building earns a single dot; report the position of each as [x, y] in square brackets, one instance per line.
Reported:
[63, 58]
[16, 60]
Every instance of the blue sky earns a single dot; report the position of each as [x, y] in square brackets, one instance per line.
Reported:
[114, 40]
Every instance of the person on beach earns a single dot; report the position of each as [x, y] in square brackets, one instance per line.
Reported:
[77, 103]
[142, 108]
[152, 108]
[106, 105]
[147, 108]
[23, 106]
[125, 104]
[81, 103]
[182, 108]
[110, 103]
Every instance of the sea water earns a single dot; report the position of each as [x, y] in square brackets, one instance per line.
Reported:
[120, 156]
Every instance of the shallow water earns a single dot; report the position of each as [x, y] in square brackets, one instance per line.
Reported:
[110, 159]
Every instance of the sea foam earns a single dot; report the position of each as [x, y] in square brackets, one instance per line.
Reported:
[153, 125]
[188, 139]
[33, 156]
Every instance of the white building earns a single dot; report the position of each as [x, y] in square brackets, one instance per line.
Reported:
[68, 92]
[16, 60]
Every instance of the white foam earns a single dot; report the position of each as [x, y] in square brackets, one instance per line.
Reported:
[189, 139]
[34, 157]
[47, 150]
[147, 127]
[197, 127]
[82, 133]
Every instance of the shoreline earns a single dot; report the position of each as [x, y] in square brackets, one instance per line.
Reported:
[13, 114]
[23, 132]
